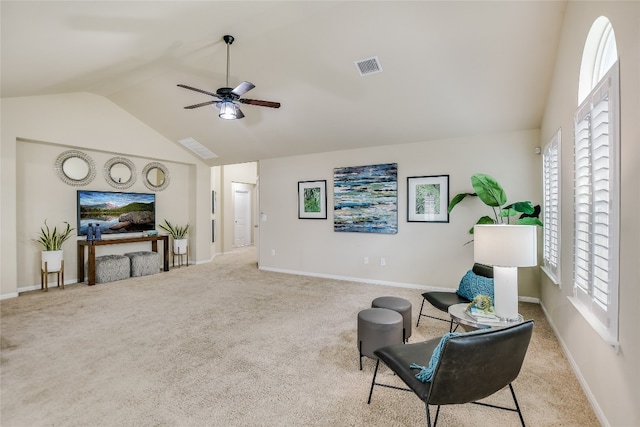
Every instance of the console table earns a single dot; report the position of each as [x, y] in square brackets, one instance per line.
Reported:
[91, 245]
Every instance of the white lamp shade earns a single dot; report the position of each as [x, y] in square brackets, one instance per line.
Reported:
[505, 245]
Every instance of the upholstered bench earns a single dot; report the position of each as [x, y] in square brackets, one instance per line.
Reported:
[144, 263]
[110, 268]
[399, 305]
[378, 327]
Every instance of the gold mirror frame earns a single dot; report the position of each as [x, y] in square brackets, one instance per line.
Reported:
[151, 185]
[75, 154]
[111, 179]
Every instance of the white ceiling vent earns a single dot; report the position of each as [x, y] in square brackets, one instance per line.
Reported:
[197, 148]
[369, 66]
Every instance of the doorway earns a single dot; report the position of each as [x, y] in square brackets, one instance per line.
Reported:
[242, 217]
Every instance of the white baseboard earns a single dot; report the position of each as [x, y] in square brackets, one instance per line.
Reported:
[379, 282]
[350, 279]
[51, 285]
[11, 295]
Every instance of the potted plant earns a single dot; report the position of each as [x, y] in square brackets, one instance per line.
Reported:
[51, 241]
[179, 235]
[492, 195]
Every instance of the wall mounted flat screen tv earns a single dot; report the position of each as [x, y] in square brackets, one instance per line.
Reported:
[116, 212]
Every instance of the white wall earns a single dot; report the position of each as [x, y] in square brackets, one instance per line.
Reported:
[611, 379]
[431, 254]
[35, 130]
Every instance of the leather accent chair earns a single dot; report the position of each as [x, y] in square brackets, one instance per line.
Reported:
[471, 366]
[443, 299]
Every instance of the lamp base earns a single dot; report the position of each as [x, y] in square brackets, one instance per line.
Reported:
[505, 293]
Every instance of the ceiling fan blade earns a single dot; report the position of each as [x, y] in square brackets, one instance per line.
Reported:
[199, 90]
[243, 88]
[191, 107]
[259, 102]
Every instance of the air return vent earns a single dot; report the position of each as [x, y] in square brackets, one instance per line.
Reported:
[369, 66]
[197, 148]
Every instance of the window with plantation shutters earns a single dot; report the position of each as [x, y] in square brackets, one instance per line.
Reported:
[596, 206]
[551, 187]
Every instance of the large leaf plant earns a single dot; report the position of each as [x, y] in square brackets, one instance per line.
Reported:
[492, 195]
[176, 231]
[52, 240]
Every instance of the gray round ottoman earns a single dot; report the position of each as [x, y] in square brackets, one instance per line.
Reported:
[399, 305]
[377, 327]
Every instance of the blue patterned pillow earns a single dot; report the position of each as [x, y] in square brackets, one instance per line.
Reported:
[472, 285]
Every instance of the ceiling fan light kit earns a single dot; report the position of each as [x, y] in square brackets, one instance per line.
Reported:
[230, 111]
[228, 96]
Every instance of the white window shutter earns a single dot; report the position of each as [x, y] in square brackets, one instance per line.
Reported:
[551, 186]
[582, 204]
[596, 203]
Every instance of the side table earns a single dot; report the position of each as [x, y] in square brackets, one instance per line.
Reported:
[468, 323]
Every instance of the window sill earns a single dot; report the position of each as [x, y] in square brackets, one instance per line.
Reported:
[551, 276]
[595, 324]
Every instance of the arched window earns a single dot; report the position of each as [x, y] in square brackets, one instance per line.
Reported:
[597, 182]
[599, 54]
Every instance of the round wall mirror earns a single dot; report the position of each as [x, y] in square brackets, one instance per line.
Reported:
[75, 168]
[155, 176]
[120, 172]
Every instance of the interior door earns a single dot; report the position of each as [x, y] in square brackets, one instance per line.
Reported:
[242, 215]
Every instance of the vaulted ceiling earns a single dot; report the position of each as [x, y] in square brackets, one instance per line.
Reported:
[449, 68]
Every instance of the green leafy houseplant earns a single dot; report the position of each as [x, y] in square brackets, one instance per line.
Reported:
[52, 239]
[176, 231]
[492, 195]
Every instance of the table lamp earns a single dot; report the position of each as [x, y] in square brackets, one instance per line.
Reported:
[505, 247]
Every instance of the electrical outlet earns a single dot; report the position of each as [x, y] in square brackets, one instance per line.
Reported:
[273, 251]
[383, 261]
[366, 260]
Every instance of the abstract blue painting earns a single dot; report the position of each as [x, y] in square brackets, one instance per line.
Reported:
[366, 199]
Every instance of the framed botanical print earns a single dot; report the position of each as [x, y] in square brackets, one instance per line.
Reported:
[312, 199]
[428, 198]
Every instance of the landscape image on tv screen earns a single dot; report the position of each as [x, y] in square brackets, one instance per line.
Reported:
[116, 212]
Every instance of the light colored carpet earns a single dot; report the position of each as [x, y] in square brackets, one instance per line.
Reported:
[225, 344]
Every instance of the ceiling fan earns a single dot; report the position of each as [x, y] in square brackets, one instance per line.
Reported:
[227, 97]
